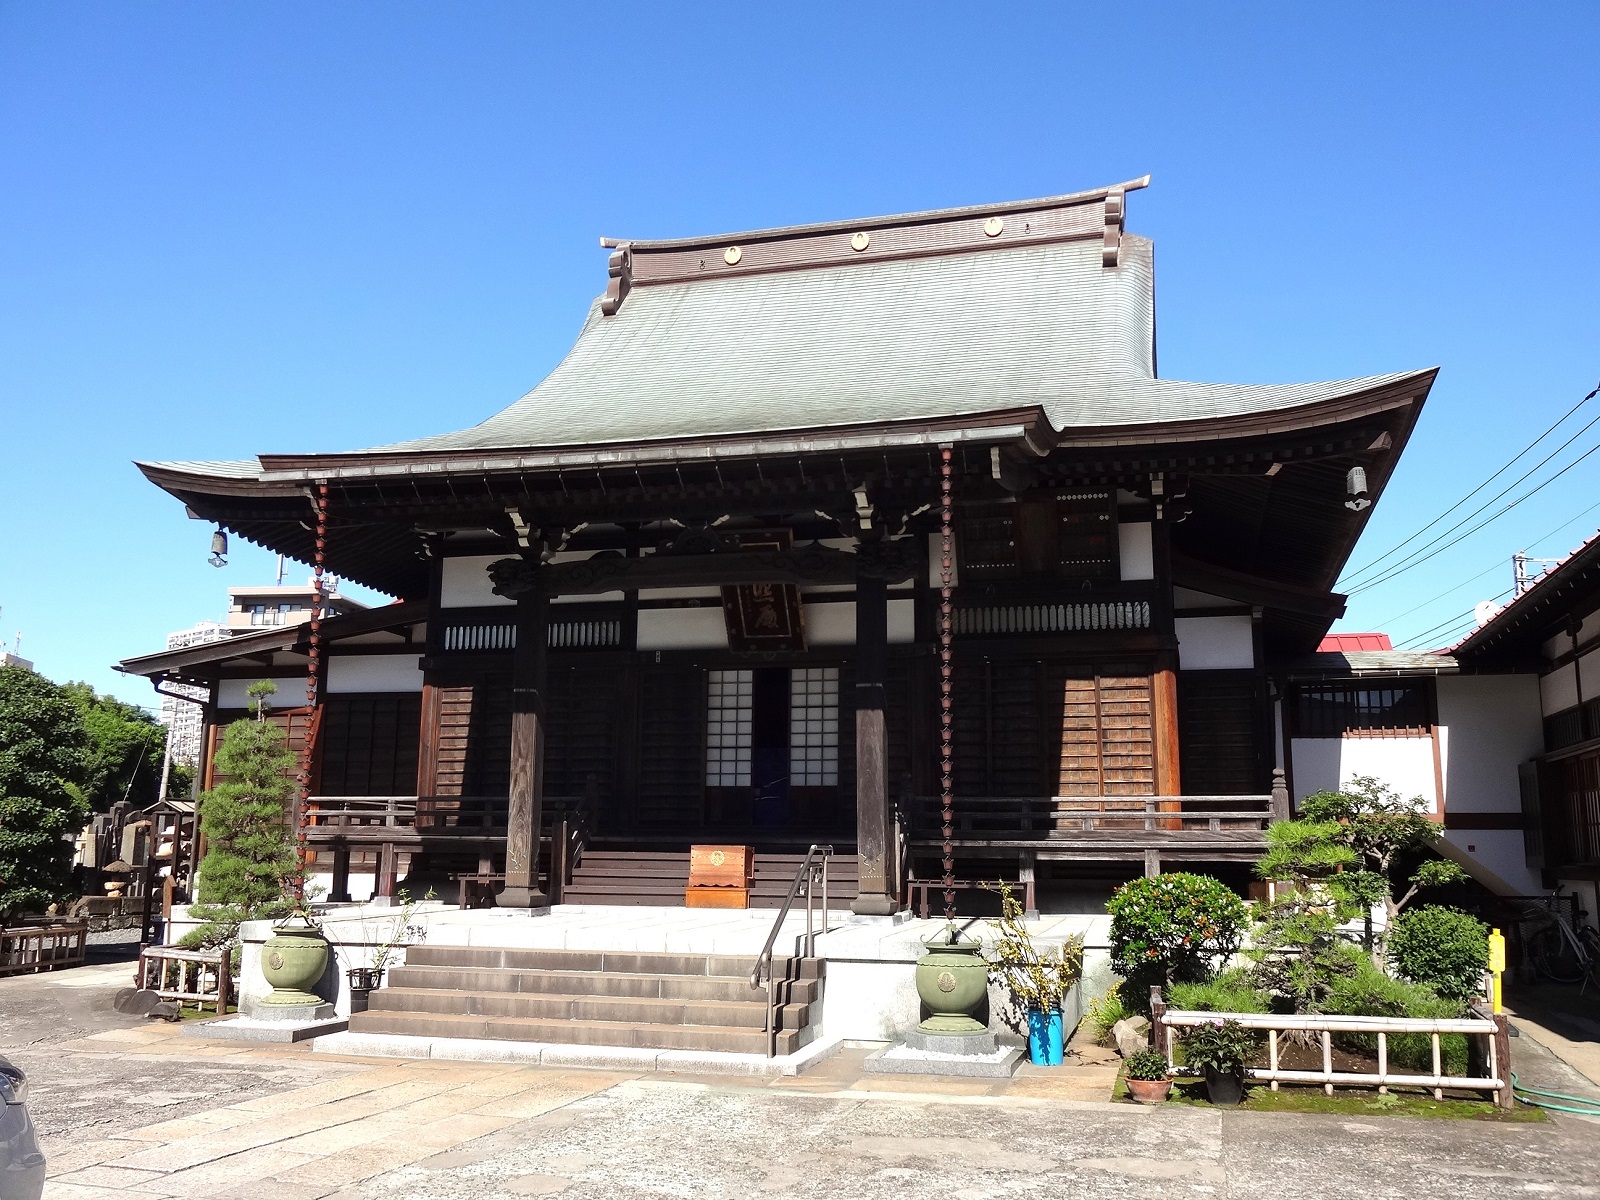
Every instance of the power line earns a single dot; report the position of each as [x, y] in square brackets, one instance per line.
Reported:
[1449, 622]
[1498, 495]
[1439, 633]
[1456, 587]
[1416, 561]
[1361, 570]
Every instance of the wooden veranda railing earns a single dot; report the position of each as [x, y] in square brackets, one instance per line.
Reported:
[392, 824]
[1047, 818]
[405, 818]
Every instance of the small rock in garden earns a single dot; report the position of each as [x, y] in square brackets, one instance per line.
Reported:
[1132, 1035]
[136, 1001]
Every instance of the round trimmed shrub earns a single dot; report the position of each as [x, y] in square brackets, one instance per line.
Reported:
[1444, 948]
[1175, 928]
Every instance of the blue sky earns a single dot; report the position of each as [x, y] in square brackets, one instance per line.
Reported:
[231, 229]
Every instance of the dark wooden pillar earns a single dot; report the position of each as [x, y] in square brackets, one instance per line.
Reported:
[527, 749]
[339, 893]
[1164, 705]
[873, 827]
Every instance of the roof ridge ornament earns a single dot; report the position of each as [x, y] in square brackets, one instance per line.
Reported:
[619, 267]
[1116, 211]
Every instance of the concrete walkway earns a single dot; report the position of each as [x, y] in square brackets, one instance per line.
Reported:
[129, 1108]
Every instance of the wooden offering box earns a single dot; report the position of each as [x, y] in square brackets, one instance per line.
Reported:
[719, 877]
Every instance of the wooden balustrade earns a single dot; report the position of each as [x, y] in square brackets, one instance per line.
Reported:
[1065, 817]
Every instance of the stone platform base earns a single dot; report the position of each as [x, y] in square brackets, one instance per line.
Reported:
[256, 1010]
[999, 1063]
[952, 1043]
[252, 1029]
[551, 1054]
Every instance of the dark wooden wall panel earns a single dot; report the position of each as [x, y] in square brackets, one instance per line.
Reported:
[672, 702]
[1220, 729]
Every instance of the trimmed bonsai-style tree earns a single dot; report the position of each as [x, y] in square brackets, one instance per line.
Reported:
[1296, 952]
[251, 859]
[1372, 821]
[1174, 928]
[42, 758]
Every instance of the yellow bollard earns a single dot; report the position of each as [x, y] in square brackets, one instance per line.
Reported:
[1497, 962]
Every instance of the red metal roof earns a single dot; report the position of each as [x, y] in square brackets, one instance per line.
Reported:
[1338, 643]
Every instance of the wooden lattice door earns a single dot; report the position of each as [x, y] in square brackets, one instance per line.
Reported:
[1107, 736]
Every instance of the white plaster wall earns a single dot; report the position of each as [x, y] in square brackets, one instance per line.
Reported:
[682, 629]
[291, 692]
[1328, 764]
[1189, 598]
[1558, 690]
[835, 624]
[465, 583]
[375, 673]
[1215, 643]
[1496, 858]
[1488, 726]
[1589, 674]
[1134, 550]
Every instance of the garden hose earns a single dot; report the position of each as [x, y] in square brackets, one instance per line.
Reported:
[1591, 1108]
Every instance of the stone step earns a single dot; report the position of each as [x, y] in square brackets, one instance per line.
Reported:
[579, 1033]
[732, 1014]
[621, 985]
[610, 962]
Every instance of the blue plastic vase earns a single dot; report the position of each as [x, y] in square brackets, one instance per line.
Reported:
[1045, 1043]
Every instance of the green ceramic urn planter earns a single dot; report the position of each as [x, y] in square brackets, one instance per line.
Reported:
[293, 960]
[953, 981]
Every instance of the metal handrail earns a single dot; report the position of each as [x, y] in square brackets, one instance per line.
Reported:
[809, 872]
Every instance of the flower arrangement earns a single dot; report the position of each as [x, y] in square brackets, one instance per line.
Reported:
[1037, 979]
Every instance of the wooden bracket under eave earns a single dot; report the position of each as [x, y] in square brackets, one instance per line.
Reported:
[620, 269]
[1116, 207]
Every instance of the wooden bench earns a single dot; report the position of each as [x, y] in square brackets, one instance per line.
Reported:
[921, 892]
[478, 888]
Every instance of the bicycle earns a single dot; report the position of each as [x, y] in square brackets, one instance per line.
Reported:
[1558, 949]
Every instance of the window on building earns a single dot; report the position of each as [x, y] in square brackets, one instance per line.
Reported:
[1070, 535]
[270, 614]
[1335, 709]
[814, 727]
[729, 710]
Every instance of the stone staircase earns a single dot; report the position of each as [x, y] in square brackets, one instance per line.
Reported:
[594, 998]
[656, 877]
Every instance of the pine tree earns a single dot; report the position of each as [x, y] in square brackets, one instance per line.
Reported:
[250, 855]
[43, 750]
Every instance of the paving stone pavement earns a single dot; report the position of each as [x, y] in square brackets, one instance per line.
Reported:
[130, 1109]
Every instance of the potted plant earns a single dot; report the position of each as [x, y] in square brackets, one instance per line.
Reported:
[364, 979]
[1037, 980]
[1146, 1073]
[1218, 1049]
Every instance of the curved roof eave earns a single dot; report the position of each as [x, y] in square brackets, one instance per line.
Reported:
[1336, 401]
